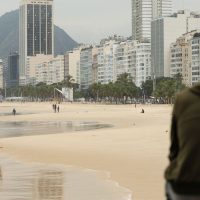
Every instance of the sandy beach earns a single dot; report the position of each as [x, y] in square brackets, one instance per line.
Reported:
[134, 151]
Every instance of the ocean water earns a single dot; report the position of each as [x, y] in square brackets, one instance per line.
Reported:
[19, 181]
[24, 128]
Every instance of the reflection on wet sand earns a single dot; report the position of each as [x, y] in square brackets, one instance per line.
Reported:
[22, 128]
[54, 182]
[30, 182]
[49, 185]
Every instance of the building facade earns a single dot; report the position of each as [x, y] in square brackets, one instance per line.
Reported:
[143, 11]
[36, 32]
[86, 59]
[13, 70]
[181, 58]
[50, 72]
[31, 64]
[106, 62]
[142, 54]
[74, 64]
[164, 32]
[195, 66]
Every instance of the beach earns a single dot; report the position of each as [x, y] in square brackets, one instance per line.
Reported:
[133, 150]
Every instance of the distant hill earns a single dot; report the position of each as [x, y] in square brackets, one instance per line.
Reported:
[9, 36]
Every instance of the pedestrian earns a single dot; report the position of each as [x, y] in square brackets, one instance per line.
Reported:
[58, 109]
[183, 172]
[55, 108]
[14, 111]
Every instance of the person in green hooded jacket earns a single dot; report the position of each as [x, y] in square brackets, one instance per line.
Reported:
[183, 172]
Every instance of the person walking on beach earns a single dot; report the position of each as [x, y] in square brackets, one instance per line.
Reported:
[14, 111]
[58, 109]
[55, 108]
[183, 172]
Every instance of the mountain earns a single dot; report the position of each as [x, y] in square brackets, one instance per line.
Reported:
[9, 36]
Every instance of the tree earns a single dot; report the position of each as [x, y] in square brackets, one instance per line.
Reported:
[166, 88]
[68, 82]
[147, 87]
[125, 87]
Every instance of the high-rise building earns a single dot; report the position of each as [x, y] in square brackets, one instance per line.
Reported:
[13, 70]
[143, 11]
[142, 54]
[161, 8]
[106, 62]
[36, 32]
[86, 60]
[51, 71]
[165, 31]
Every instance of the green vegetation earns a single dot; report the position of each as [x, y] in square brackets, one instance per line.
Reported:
[122, 91]
[119, 92]
[41, 91]
[166, 88]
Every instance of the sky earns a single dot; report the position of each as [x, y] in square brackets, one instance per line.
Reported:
[88, 21]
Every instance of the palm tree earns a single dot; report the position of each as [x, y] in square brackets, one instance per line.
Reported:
[68, 82]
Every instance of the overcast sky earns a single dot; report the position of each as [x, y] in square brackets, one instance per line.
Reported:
[88, 21]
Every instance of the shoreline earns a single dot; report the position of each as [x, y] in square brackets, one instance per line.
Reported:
[134, 152]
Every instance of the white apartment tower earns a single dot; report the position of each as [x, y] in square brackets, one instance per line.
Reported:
[36, 32]
[143, 11]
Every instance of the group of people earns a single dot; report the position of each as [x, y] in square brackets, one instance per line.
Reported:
[56, 108]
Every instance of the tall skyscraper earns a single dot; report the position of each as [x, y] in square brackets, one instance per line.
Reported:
[36, 33]
[143, 11]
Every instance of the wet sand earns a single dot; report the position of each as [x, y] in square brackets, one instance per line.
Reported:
[134, 151]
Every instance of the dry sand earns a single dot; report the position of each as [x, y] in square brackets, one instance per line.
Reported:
[134, 151]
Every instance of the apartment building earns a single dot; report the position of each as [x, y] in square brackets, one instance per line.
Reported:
[106, 61]
[142, 54]
[50, 72]
[195, 66]
[164, 32]
[86, 63]
[181, 58]
[72, 64]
